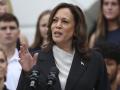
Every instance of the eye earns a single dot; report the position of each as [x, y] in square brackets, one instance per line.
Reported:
[3, 28]
[12, 27]
[55, 20]
[105, 3]
[114, 3]
[44, 25]
[65, 21]
[2, 60]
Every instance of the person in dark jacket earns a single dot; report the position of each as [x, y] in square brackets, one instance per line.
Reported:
[79, 68]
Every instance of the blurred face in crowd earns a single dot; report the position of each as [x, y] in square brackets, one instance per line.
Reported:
[3, 6]
[44, 25]
[112, 68]
[9, 33]
[63, 26]
[3, 65]
[111, 9]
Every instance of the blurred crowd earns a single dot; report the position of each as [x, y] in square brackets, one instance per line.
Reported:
[17, 57]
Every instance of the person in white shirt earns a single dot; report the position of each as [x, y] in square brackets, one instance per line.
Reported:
[9, 33]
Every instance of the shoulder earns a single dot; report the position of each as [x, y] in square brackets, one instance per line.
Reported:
[45, 55]
[96, 62]
[5, 88]
[95, 53]
[34, 50]
[96, 56]
[44, 52]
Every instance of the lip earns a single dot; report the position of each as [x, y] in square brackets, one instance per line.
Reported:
[57, 33]
[109, 12]
[8, 37]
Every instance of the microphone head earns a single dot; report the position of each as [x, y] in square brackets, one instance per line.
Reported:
[54, 70]
[52, 76]
[34, 78]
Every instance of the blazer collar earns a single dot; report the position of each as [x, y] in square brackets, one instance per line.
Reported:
[76, 71]
[49, 58]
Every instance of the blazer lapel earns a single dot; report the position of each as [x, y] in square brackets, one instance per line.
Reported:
[76, 71]
[47, 64]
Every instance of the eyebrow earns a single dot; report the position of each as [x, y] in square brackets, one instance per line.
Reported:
[2, 59]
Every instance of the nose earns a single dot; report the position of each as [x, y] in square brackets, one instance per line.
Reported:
[8, 30]
[109, 6]
[2, 10]
[58, 24]
[46, 28]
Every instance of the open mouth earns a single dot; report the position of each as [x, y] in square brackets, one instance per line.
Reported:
[57, 34]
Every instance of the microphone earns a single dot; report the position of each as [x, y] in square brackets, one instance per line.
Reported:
[52, 76]
[34, 78]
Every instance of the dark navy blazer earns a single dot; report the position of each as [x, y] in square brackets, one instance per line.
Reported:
[83, 75]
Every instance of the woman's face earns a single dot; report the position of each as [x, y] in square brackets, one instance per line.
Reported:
[63, 26]
[3, 7]
[3, 65]
[111, 9]
[44, 25]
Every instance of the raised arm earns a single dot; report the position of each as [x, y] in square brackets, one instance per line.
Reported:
[26, 59]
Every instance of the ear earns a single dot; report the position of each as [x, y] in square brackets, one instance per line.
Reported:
[18, 32]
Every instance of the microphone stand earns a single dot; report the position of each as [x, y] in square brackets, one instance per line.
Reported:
[50, 87]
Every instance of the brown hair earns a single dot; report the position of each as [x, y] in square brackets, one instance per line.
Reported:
[102, 26]
[1, 50]
[38, 40]
[8, 17]
[80, 37]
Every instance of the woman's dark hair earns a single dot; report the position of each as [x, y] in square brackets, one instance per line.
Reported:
[80, 37]
[18, 44]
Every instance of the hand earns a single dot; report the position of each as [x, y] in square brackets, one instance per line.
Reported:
[26, 59]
